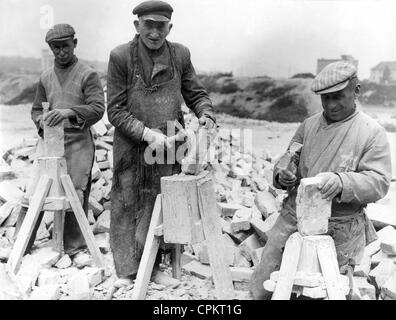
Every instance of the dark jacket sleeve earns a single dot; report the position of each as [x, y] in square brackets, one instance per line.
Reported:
[194, 94]
[37, 108]
[94, 108]
[117, 111]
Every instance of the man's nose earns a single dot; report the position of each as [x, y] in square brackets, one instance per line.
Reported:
[154, 35]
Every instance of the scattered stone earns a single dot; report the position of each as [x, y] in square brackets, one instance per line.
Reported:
[82, 259]
[46, 256]
[249, 245]
[103, 242]
[48, 277]
[266, 203]
[263, 228]
[363, 268]
[228, 209]
[364, 287]
[389, 288]
[48, 292]
[8, 288]
[64, 262]
[198, 269]
[95, 276]
[103, 223]
[9, 192]
[78, 287]
[5, 211]
[241, 220]
[95, 206]
[382, 272]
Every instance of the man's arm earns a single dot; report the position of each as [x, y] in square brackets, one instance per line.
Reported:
[374, 173]
[117, 111]
[194, 94]
[94, 108]
[37, 108]
[299, 138]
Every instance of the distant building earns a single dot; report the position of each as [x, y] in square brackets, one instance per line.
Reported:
[321, 63]
[47, 59]
[384, 72]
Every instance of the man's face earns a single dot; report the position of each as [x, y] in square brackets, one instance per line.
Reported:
[63, 50]
[153, 33]
[340, 104]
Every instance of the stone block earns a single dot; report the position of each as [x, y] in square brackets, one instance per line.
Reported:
[256, 256]
[103, 241]
[78, 287]
[95, 275]
[363, 268]
[9, 192]
[102, 224]
[389, 287]
[266, 203]
[48, 292]
[64, 262]
[48, 277]
[312, 211]
[382, 272]
[249, 245]
[46, 256]
[228, 209]
[364, 287]
[95, 206]
[241, 220]
[82, 259]
[263, 228]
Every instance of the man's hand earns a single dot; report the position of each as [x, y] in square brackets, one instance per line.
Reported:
[156, 138]
[330, 186]
[56, 116]
[287, 178]
[206, 122]
[40, 121]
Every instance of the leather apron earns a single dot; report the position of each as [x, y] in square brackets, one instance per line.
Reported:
[135, 182]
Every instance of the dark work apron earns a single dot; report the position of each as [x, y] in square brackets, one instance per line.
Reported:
[135, 182]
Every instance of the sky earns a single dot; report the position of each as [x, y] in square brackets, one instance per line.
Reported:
[277, 38]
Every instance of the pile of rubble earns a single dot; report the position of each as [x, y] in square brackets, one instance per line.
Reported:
[248, 205]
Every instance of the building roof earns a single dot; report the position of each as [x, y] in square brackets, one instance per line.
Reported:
[382, 65]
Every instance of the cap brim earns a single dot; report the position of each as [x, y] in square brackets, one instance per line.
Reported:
[155, 17]
[61, 39]
[335, 88]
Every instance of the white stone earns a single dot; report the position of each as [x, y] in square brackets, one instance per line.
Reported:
[312, 211]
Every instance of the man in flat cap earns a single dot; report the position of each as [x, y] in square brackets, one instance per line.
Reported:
[76, 96]
[148, 78]
[350, 151]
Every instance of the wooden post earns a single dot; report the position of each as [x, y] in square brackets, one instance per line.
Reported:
[216, 247]
[151, 247]
[176, 261]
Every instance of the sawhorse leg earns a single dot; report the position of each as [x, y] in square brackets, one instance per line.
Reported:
[151, 247]
[83, 223]
[28, 224]
[288, 268]
[330, 270]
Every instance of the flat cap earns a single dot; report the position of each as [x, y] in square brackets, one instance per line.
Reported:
[154, 10]
[60, 32]
[334, 77]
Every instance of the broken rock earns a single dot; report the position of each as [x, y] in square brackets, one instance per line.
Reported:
[241, 220]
